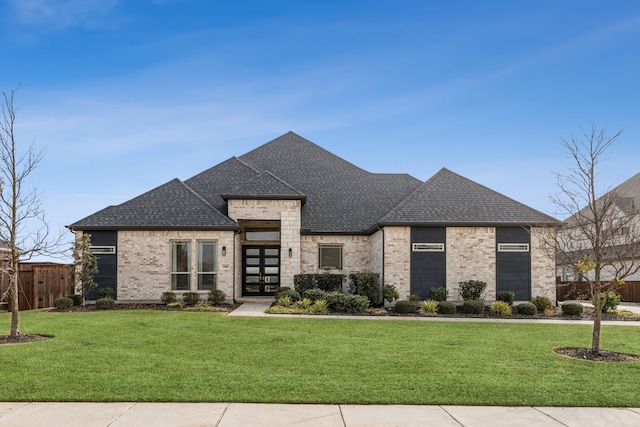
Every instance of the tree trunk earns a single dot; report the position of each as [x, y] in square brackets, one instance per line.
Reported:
[597, 322]
[15, 310]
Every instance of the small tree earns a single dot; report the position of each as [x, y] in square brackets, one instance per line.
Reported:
[84, 267]
[600, 237]
[23, 228]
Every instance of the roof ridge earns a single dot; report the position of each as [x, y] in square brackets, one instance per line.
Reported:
[283, 182]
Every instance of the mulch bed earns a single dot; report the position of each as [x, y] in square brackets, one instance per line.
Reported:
[22, 338]
[601, 356]
[223, 308]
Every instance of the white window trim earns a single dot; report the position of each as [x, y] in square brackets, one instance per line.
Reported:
[513, 247]
[102, 250]
[427, 247]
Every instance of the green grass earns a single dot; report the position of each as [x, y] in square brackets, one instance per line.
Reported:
[206, 357]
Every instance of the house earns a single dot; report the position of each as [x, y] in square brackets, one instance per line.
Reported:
[249, 224]
[619, 211]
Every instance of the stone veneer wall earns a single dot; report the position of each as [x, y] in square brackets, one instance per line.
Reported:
[471, 255]
[285, 211]
[543, 280]
[144, 262]
[356, 252]
[397, 259]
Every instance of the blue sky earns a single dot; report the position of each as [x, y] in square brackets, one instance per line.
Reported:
[127, 95]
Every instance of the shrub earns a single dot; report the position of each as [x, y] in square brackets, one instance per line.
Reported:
[527, 309]
[415, 298]
[405, 307]
[105, 292]
[216, 296]
[303, 303]
[315, 294]
[175, 304]
[500, 308]
[279, 290]
[572, 309]
[506, 296]
[105, 304]
[293, 295]
[611, 300]
[473, 306]
[329, 282]
[201, 306]
[62, 303]
[439, 294]
[365, 284]
[319, 306]
[356, 303]
[429, 307]
[77, 299]
[303, 282]
[541, 303]
[168, 297]
[472, 289]
[284, 301]
[335, 300]
[190, 298]
[390, 293]
[446, 307]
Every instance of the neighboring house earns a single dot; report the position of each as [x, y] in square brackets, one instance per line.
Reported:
[621, 234]
[249, 224]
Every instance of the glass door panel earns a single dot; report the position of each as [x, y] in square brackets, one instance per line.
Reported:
[260, 270]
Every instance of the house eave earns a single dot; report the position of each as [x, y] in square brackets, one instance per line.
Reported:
[74, 228]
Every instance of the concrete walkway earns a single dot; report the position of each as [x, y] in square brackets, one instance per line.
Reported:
[254, 414]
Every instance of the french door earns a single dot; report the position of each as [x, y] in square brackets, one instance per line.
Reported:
[260, 270]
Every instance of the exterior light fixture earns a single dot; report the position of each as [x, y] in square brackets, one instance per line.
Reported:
[290, 252]
[224, 251]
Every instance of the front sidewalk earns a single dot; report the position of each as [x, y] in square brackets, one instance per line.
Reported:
[127, 414]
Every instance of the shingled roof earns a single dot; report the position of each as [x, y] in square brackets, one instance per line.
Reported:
[338, 197]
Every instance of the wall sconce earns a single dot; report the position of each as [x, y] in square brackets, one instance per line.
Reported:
[290, 252]
[224, 251]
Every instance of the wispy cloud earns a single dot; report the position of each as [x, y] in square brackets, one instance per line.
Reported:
[56, 14]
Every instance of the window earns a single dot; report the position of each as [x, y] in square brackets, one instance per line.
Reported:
[262, 235]
[513, 247]
[330, 257]
[181, 265]
[207, 265]
[428, 247]
[102, 250]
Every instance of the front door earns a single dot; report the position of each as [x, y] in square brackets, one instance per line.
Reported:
[260, 270]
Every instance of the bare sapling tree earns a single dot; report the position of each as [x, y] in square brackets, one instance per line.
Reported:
[600, 238]
[23, 228]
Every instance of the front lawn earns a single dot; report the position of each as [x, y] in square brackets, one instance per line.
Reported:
[206, 357]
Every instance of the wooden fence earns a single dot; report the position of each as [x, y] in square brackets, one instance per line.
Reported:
[629, 292]
[39, 284]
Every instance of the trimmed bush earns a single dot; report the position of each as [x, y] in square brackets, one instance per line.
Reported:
[405, 307]
[572, 309]
[216, 296]
[316, 294]
[63, 303]
[611, 300]
[446, 307]
[500, 308]
[77, 299]
[293, 295]
[472, 289]
[473, 306]
[439, 294]
[105, 292]
[365, 284]
[356, 303]
[541, 303]
[390, 293]
[527, 308]
[429, 307]
[105, 304]
[190, 298]
[506, 296]
[415, 298]
[335, 300]
[329, 282]
[168, 297]
[201, 306]
[279, 290]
